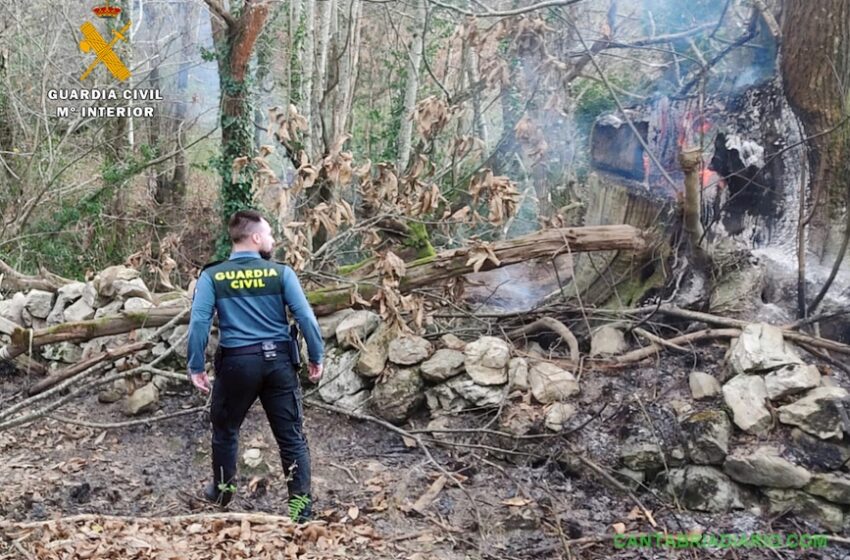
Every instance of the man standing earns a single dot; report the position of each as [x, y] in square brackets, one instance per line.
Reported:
[249, 293]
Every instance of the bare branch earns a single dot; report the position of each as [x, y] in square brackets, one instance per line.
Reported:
[218, 9]
[507, 13]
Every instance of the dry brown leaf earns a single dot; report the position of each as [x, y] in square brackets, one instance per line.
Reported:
[430, 116]
[430, 495]
[353, 513]
[516, 501]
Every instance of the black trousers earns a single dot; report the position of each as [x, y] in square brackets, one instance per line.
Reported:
[239, 381]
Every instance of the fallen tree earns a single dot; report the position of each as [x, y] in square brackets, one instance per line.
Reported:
[15, 281]
[423, 272]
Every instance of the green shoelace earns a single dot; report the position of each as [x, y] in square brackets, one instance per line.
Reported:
[297, 504]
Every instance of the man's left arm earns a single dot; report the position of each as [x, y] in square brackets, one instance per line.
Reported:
[203, 306]
[297, 302]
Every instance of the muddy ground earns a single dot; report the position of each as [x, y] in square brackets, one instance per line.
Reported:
[522, 504]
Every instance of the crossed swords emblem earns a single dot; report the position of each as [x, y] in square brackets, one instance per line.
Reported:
[93, 41]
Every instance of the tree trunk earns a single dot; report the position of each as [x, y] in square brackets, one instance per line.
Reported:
[471, 70]
[545, 244]
[234, 41]
[350, 68]
[411, 87]
[14, 281]
[308, 65]
[816, 74]
[180, 178]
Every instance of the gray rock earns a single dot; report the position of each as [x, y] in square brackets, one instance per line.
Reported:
[703, 385]
[91, 298]
[373, 355]
[791, 379]
[71, 292]
[137, 304]
[110, 309]
[356, 327]
[27, 318]
[132, 288]
[340, 379]
[640, 455]
[558, 415]
[533, 349]
[442, 398]
[78, 311]
[329, 323]
[444, 364]
[65, 296]
[65, 352]
[704, 489]
[549, 383]
[98, 345]
[164, 383]
[105, 281]
[629, 478]
[806, 506]
[764, 467]
[518, 374]
[760, 348]
[479, 395]
[486, 360]
[834, 487]
[159, 349]
[607, 341]
[681, 407]
[39, 303]
[745, 395]
[143, 399]
[147, 334]
[114, 392]
[13, 308]
[816, 413]
[409, 350]
[398, 396]
[181, 347]
[819, 453]
[736, 294]
[707, 436]
[358, 402]
[452, 342]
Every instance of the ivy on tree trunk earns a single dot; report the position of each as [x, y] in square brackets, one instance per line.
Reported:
[235, 34]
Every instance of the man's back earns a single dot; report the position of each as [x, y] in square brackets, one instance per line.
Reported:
[250, 295]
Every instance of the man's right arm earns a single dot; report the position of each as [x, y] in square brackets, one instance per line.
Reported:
[203, 306]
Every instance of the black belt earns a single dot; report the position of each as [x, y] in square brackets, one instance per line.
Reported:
[252, 349]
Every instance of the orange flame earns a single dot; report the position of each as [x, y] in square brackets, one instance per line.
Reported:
[709, 178]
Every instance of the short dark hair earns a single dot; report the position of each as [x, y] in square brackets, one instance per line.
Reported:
[243, 223]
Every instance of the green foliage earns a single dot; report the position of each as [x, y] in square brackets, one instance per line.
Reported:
[76, 237]
[117, 173]
[594, 99]
[208, 55]
[224, 487]
[386, 133]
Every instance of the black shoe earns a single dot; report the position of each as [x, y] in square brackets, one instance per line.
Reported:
[301, 508]
[219, 497]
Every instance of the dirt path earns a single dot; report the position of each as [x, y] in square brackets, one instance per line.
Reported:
[525, 504]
